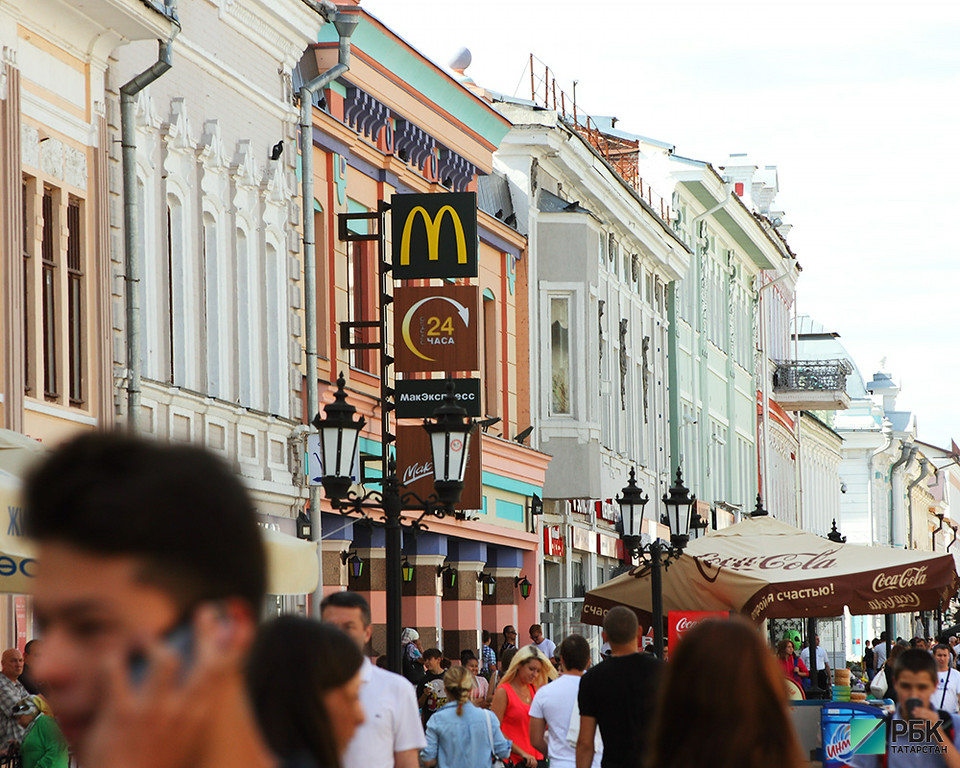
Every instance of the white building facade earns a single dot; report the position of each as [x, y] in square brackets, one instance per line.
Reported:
[219, 249]
[602, 263]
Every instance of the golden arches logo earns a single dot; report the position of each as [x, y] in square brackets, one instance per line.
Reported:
[432, 225]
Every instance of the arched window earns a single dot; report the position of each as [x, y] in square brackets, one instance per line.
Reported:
[176, 292]
[276, 333]
[213, 327]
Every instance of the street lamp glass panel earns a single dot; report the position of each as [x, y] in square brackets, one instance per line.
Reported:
[338, 450]
[679, 505]
[449, 455]
[632, 503]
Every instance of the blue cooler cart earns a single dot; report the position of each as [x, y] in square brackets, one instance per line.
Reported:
[835, 720]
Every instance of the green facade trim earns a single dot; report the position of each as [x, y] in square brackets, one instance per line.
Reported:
[397, 56]
[510, 485]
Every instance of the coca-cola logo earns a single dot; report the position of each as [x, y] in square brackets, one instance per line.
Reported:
[416, 471]
[686, 623]
[909, 577]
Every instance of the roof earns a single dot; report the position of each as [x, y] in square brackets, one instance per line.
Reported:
[161, 7]
[493, 197]
[606, 125]
[550, 203]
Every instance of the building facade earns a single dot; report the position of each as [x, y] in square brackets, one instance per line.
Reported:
[56, 376]
[396, 123]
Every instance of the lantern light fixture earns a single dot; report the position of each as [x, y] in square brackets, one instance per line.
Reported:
[524, 585]
[304, 527]
[407, 571]
[339, 438]
[450, 572]
[355, 561]
[449, 432]
[679, 505]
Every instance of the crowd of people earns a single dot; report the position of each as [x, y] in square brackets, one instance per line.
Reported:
[152, 655]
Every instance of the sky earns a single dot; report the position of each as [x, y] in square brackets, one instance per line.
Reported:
[856, 103]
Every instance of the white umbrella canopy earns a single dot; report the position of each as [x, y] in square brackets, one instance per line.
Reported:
[764, 568]
[18, 452]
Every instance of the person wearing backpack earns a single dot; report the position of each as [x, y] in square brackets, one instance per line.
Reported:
[915, 680]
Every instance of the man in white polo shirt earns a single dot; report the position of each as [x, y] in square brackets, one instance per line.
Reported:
[391, 735]
[947, 695]
[554, 714]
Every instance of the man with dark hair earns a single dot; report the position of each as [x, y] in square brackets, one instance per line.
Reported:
[488, 657]
[880, 649]
[625, 676]
[545, 644]
[431, 695]
[554, 715]
[391, 735]
[509, 641]
[947, 696]
[915, 678]
[151, 578]
[31, 653]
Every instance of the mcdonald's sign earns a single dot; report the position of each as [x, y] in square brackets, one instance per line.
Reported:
[434, 235]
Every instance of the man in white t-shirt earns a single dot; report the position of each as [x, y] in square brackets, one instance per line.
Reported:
[554, 709]
[546, 645]
[947, 695]
[391, 736]
[823, 665]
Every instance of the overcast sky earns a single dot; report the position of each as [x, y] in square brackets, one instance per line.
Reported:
[856, 103]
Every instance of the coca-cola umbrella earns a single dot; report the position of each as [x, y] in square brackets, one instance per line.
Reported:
[765, 569]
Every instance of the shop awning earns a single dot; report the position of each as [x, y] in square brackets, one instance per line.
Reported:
[764, 568]
[293, 567]
[292, 564]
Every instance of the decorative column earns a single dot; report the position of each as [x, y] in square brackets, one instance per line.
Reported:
[500, 608]
[336, 537]
[369, 545]
[424, 554]
[462, 599]
[11, 241]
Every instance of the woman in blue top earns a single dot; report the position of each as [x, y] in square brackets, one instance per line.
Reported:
[460, 735]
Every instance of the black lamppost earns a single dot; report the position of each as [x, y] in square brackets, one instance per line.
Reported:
[339, 437]
[679, 505]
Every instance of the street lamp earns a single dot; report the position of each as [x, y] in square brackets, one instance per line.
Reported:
[679, 505]
[524, 585]
[339, 436]
[698, 528]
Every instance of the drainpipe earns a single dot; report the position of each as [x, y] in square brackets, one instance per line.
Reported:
[887, 431]
[907, 453]
[764, 386]
[924, 471]
[704, 382]
[345, 24]
[131, 256]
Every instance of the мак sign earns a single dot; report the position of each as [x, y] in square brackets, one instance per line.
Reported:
[434, 235]
[415, 466]
[436, 328]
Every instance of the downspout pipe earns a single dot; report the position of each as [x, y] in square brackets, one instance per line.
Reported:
[924, 471]
[887, 432]
[701, 324]
[131, 255]
[345, 24]
[907, 452]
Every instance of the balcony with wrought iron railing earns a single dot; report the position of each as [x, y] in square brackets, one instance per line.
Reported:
[812, 385]
[621, 152]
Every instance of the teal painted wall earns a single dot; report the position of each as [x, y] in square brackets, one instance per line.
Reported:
[507, 510]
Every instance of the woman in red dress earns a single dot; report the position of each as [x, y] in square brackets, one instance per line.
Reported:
[529, 670]
[791, 664]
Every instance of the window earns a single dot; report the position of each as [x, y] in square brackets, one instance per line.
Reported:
[246, 319]
[361, 302]
[29, 290]
[560, 394]
[490, 390]
[276, 338]
[212, 278]
[75, 308]
[49, 253]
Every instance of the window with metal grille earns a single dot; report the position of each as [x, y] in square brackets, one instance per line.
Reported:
[48, 250]
[75, 308]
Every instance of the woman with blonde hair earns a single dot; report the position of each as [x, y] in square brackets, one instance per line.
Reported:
[529, 671]
[750, 728]
[459, 734]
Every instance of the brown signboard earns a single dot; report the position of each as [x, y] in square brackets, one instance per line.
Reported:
[437, 328]
[415, 465]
